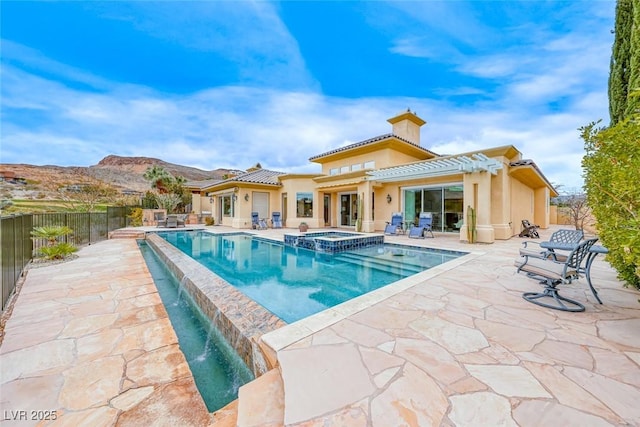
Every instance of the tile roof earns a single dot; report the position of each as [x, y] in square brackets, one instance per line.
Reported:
[202, 184]
[260, 176]
[371, 141]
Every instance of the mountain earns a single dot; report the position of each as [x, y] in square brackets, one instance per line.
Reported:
[123, 173]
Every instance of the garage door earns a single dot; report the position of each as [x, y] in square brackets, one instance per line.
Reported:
[261, 204]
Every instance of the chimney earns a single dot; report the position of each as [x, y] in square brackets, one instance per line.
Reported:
[406, 125]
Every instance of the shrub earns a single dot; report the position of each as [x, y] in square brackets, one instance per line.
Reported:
[135, 217]
[58, 251]
[611, 167]
[209, 220]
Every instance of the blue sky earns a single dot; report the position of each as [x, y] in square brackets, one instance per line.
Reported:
[227, 84]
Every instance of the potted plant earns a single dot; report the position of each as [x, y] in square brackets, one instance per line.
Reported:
[303, 227]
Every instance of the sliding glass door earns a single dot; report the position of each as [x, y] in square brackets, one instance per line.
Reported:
[444, 203]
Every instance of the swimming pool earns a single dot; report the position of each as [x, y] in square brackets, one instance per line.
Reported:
[294, 283]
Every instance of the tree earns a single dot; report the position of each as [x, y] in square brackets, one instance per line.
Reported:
[579, 210]
[159, 177]
[633, 98]
[611, 166]
[620, 65]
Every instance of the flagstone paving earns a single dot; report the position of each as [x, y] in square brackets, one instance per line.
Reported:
[90, 340]
[90, 344]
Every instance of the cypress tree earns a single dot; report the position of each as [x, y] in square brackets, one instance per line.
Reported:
[633, 95]
[620, 61]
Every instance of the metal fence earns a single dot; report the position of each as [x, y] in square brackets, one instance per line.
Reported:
[15, 241]
[18, 248]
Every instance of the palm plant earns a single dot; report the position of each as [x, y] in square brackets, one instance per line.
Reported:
[159, 177]
[51, 233]
[54, 249]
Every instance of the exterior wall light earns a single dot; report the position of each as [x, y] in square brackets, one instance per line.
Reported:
[388, 198]
[246, 197]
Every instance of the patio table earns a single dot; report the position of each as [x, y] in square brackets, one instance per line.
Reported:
[593, 253]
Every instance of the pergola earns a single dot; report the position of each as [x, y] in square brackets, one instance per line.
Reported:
[438, 167]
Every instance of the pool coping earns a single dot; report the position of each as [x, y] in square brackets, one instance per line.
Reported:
[274, 341]
[265, 341]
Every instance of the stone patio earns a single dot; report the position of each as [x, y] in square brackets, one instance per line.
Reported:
[456, 346]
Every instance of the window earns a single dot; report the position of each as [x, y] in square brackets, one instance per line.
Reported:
[344, 169]
[370, 164]
[333, 171]
[356, 167]
[304, 205]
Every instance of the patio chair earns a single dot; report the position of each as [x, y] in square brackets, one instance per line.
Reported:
[276, 222]
[172, 221]
[529, 230]
[424, 226]
[396, 224]
[561, 239]
[554, 273]
[258, 223]
[181, 220]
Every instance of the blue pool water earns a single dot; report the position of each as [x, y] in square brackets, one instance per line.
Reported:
[294, 283]
[217, 369]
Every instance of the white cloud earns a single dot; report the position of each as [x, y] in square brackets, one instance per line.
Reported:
[236, 127]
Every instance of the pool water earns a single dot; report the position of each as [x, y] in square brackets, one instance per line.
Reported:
[217, 369]
[294, 283]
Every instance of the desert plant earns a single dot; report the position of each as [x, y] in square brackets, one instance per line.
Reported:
[54, 248]
[51, 233]
[472, 232]
[59, 251]
[359, 213]
[168, 201]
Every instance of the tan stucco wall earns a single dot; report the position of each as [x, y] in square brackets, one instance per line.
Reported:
[305, 185]
[522, 199]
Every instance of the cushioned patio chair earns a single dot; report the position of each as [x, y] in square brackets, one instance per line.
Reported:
[567, 238]
[529, 230]
[553, 273]
[257, 223]
[172, 221]
[419, 230]
[396, 224]
[276, 221]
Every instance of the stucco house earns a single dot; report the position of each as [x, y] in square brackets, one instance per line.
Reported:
[389, 173]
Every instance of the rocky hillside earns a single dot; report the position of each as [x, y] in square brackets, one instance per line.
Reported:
[124, 173]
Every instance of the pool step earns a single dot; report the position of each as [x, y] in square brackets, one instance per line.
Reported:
[261, 402]
[126, 233]
[381, 263]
